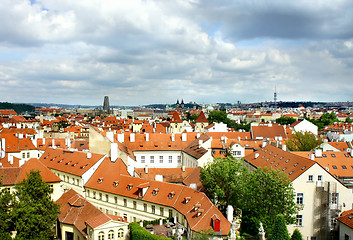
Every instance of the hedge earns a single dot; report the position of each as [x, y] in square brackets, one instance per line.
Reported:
[139, 233]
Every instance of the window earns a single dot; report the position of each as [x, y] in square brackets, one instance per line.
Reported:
[116, 200]
[87, 193]
[134, 204]
[170, 213]
[106, 197]
[111, 235]
[143, 159]
[161, 211]
[344, 167]
[120, 233]
[100, 196]
[160, 159]
[346, 237]
[153, 209]
[94, 195]
[170, 159]
[151, 159]
[77, 182]
[311, 177]
[179, 159]
[101, 236]
[28, 155]
[334, 166]
[319, 178]
[23, 155]
[125, 203]
[299, 220]
[324, 155]
[334, 198]
[300, 198]
[145, 207]
[333, 155]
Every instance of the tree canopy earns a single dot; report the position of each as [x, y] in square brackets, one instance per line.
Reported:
[285, 120]
[261, 194]
[218, 116]
[29, 209]
[303, 142]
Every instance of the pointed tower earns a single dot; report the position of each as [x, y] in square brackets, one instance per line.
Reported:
[201, 122]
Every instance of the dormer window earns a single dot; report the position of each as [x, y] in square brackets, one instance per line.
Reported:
[129, 187]
[116, 183]
[197, 206]
[187, 199]
[84, 166]
[199, 212]
[171, 195]
[100, 180]
[155, 191]
[68, 163]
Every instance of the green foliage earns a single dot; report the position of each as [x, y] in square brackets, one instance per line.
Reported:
[285, 120]
[349, 120]
[6, 199]
[190, 117]
[224, 181]
[203, 234]
[279, 231]
[19, 108]
[269, 193]
[218, 116]
[34, 212]
[296, 235]
[261, 194]
[139, 233]
[63, 124]
[326, 119]
[303, 142]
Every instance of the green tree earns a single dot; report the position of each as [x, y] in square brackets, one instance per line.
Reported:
[296, 235]
[6, 199]
[34, 212]
[328, 118]
[218, 116]
[280, 231]
[269, 193]
[285, 120]
[349, 120]
[224, 181]
[303, 141]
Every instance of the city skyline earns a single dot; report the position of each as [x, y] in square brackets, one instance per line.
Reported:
[148, 52]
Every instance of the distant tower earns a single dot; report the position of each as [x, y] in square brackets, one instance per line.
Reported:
[275, 97]
[182, 104]
[106, 106]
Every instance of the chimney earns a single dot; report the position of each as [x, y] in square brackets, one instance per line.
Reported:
[284, 147]
[113, 152]
[20, 136]
[239, 139]
[2, 144]
[10, 159]
[257, 155]
[318, 153]
[132, 137]
[230, 211]
[121, 137]
[53, 143]
[183, 168]
[159, 178]
[146, 170]
[173, 137]
[312, 156]
[147, 137]
[264, 143]
[110, 135]
[43, 141]
[89, 155]
[184, 137]
[200, 143]
[198, 135]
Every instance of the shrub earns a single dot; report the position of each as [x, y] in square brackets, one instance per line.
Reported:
[296, 235]
[139, 233]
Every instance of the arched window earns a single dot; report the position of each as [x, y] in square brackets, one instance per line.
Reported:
[111, 235]
[120, 233]
[101, 236]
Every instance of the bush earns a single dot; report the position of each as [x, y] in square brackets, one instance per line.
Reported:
[279, 229]
[296, 235]
[139, 233]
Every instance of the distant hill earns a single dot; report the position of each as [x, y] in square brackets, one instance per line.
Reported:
[18, 107]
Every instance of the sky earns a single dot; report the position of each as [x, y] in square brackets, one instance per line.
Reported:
[158, 51]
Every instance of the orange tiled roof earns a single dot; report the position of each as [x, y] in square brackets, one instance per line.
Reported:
[273, 157]
[159, 193]
[268, 131]
[77, 211]
[346, 218]
[15, 144]
[339, 164]
[201, 118]
[76, 163]
[25, 131]
[5, 112]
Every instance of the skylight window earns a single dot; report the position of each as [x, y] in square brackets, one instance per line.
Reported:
[344, 167]
[303, 168]
[295, 164]
[334, 167]
[324, 155]
[333, 155]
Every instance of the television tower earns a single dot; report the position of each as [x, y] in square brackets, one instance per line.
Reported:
[275, 97]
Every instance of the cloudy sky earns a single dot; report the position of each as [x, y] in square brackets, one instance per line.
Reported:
[158, 51]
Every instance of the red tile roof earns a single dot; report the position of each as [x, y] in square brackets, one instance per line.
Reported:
[201, 118]
[6, 112]
[15, 144]
[73, 162]
[77, 211]
[273, 157]
[346, 218]
[159, 193]
[268, 131]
